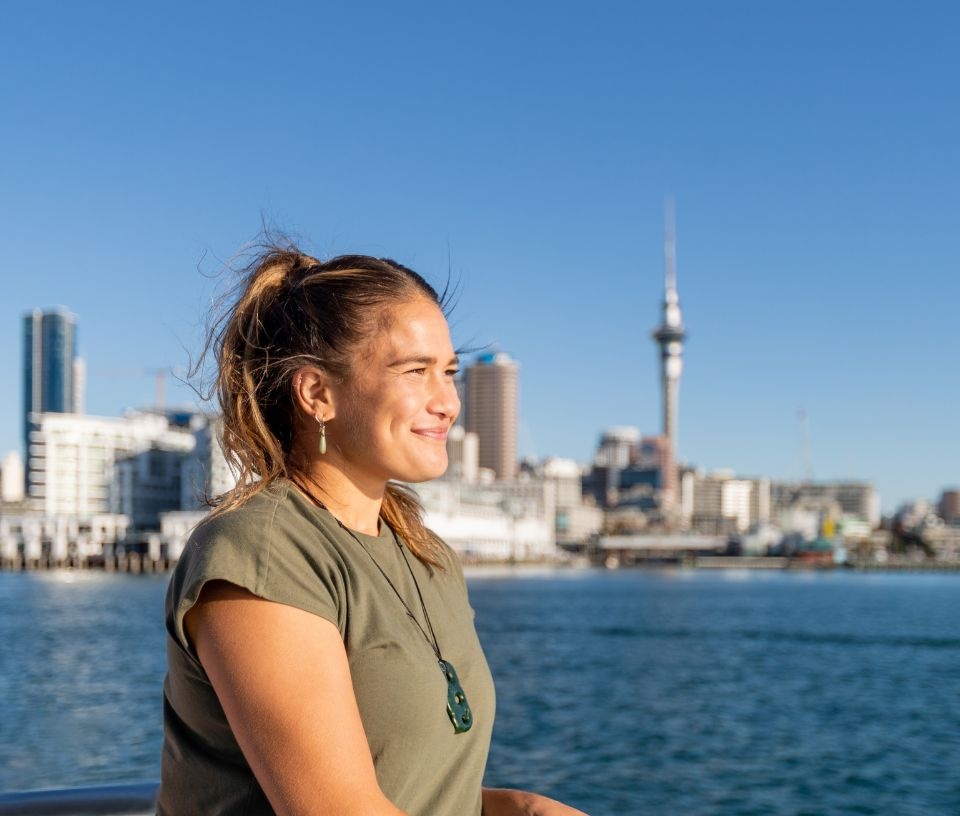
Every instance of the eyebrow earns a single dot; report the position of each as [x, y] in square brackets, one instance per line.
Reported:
[425, 360]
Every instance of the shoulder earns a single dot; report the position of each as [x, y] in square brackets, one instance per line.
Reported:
[253, 519]
[274, 546]
[234, 540]
[276, 521]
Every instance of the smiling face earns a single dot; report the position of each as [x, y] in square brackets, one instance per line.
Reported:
[393, 412]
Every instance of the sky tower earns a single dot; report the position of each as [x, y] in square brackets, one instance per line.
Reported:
[669, 335]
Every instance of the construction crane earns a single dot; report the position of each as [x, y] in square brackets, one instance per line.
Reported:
[159, 373]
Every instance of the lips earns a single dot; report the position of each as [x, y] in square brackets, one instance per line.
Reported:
[438, 434]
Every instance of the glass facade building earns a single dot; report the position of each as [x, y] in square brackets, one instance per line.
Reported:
[49, 349]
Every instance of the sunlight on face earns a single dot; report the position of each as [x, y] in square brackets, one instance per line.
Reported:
[393, 415]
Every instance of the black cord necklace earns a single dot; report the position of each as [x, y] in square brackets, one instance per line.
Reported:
[458, 709]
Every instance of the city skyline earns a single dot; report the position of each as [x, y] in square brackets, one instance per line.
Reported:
[811, 153]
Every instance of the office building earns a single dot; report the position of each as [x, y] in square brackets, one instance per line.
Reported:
[721, 503]
[11, 478]
[576, 521]
[630, 470]
[84, 466]
[52, 377]
[949, 506]
[654, 454]
[852, 499]
[615, 452]
[205, 473]
[491, 386]
[506, 520]
[462, 455]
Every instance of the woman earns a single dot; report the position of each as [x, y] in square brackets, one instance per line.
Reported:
[322, 654]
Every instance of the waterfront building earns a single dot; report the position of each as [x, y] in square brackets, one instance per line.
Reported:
[576, 522]
[949, 506]
[146, 484]
[11, 478]
[150, 482]
[759, 501]
[205, 472]
[616, 447]
[653, 463]
[463, 455]
[944, 541]
[615, 451]
[175, 529]
[505, 520]
[72, 458]
[853, 498]
[686, 484]
[720, 502]
[491, 391]
[52, 375]
[633, 472]
[915, 515]
[79, 385]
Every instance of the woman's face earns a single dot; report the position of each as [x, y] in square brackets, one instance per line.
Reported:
[393, 413]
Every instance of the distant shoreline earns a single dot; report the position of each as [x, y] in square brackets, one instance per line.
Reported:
[552, 569]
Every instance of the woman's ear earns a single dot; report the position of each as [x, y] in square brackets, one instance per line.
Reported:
[312, 393]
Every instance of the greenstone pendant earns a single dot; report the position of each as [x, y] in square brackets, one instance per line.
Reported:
[458, 709]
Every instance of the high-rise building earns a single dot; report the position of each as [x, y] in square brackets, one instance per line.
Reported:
[49, 367]
[949, 505]
[491, 411]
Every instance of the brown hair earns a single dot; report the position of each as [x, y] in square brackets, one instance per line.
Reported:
[287, 310]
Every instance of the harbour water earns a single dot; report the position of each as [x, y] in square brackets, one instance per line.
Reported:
[694, 692]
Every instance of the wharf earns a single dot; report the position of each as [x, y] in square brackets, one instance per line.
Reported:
[133, 562]
[741, 562]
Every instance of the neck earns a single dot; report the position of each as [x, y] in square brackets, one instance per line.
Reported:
[354, 505]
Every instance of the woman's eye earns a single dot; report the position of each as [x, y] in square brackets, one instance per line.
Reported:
[453, 372]
[417, 371]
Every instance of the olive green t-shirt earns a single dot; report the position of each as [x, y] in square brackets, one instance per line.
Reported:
[281, 547]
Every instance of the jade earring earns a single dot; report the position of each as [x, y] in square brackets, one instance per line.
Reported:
[323, 435]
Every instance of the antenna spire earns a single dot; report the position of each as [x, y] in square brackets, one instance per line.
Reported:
[669, 247]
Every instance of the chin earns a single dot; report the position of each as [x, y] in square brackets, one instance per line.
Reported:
[424, 472]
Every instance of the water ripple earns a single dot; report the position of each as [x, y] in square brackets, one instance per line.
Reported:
[780, 636]
[622, 693]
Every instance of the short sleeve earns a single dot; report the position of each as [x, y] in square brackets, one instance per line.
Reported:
[264, 549]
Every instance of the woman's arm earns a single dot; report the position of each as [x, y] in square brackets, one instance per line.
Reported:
[505, 802]
[283, 679]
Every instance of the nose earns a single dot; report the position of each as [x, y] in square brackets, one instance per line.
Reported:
[444, 401]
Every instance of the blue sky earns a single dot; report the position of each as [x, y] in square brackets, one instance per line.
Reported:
[812, 150]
